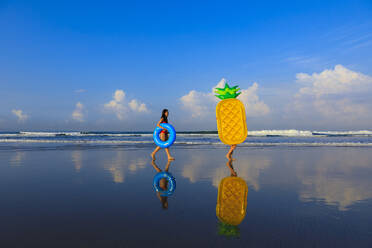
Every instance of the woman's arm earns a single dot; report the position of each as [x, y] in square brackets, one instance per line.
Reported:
[158, 125]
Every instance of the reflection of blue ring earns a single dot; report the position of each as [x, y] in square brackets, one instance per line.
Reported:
[171, 183]
[170, 140]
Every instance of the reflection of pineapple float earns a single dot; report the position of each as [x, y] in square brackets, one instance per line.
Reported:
[232, 200]
[230, 114]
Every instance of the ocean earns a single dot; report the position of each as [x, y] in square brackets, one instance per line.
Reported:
[143, 139]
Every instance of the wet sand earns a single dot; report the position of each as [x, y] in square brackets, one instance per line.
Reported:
[103, 197]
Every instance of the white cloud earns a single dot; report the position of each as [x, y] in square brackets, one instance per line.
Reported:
[302, 60]
[117, 104]
[78, 114]
[196, 102]
[338, 94]
[204, 103]
[119, 95]
[136, 106]
[120, 106]
[80, 91]
[340, 107]
[20, 115]
[253, 105]
[338, 81]
[201, 103]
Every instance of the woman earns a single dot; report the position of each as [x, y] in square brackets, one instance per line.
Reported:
[163, 134]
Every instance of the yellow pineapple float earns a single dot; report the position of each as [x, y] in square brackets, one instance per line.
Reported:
[230, 114]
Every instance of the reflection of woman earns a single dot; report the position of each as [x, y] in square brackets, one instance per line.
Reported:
[230, 166]
[163, 134]
[163, 184]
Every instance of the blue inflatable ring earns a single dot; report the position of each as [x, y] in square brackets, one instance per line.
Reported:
[171, 183]
[170, 140]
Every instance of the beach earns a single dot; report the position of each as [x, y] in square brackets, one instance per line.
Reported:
[77, 195]
[186, 124]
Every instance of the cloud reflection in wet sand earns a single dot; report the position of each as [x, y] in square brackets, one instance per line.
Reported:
[248, 169]
[77, 158]
[119, 166]
[17, 159]
[338, 179]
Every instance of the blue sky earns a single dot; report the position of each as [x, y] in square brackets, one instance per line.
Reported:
[113, 65]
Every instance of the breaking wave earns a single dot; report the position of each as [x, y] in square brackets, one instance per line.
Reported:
[262, 138]
[260, 133]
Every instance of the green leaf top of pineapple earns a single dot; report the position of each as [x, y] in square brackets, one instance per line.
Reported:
[228, 230]
[227, 92]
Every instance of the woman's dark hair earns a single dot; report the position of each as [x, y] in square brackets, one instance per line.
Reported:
[163, 116]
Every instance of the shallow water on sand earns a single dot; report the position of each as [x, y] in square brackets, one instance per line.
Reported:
[297, 197]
